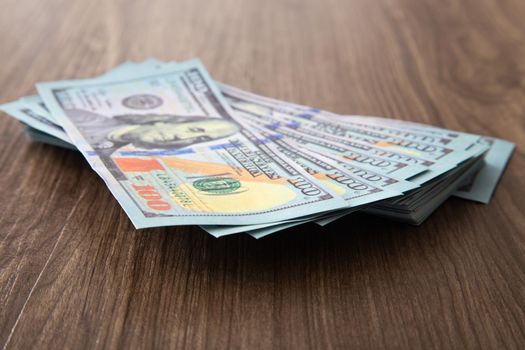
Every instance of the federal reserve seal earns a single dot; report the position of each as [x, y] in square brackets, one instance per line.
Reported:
[217, 185]
[142, 101]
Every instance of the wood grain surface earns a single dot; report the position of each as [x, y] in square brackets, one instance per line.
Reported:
[75, 274]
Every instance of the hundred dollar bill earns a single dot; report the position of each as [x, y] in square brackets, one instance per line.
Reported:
[37, 107]
[299, 129]
[320, 126]
[438, 154]
[385, 161]
[251, 102]
[299, 126]
[358, 187]
[317, 163]
[172, 152]
[364, 186]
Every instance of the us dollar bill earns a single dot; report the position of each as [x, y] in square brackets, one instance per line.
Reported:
[316, 124]
[172, 152]
[359, 187]
[368, 156]
[404, 129]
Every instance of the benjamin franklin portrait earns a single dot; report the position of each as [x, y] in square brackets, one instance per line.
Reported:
[151, 131]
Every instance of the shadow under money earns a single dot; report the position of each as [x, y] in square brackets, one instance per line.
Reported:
[357, 247]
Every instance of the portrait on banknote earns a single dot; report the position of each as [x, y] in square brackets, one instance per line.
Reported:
[151, 131]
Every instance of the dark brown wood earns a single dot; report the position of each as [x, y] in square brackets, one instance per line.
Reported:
[75, 274]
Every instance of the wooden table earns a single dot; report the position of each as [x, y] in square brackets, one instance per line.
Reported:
[75, 274]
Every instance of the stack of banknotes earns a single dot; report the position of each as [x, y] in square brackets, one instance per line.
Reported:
[176, 148]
